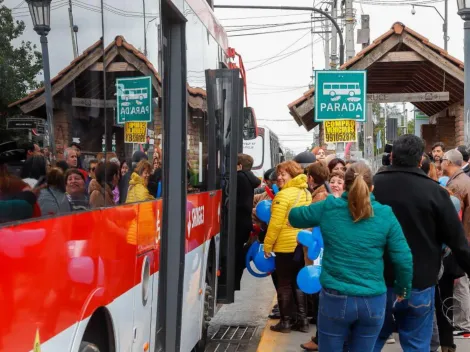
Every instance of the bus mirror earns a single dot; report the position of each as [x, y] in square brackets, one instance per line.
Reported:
[282, 157]
[249, 124]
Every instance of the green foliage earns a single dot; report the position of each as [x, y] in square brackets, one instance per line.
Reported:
[20, 63]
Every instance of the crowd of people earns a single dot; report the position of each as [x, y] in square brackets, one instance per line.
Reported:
[42, 189]
[396, 255]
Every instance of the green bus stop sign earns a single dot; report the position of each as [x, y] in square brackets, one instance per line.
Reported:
[340, 95]
[134, 99]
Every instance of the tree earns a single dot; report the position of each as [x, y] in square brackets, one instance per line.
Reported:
[19, 67]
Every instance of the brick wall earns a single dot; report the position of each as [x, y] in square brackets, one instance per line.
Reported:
[446, 127]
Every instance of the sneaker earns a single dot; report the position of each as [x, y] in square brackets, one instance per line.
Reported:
[460, 334]
[390, 341]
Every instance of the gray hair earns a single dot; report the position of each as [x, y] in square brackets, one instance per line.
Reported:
[115, 161]
[67, 152]
[454, 156]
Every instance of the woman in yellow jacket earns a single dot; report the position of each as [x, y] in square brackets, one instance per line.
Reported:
[281, 239]
[146, 217]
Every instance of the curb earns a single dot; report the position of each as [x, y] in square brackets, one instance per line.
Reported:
[263, 344]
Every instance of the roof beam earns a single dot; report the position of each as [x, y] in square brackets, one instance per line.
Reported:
[63, 81]
[434, 57]
[377, 53]
[407, 97]
[113, 67]
[93, 103]
[402, 56]
[141, 66]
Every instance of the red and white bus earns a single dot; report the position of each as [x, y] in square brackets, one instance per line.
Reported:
[144, 276]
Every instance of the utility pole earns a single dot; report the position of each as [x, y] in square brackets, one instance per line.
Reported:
[446, 23]
[145, 29]
[327, 43]
[334, 42]
[349, 19]
[74, 44]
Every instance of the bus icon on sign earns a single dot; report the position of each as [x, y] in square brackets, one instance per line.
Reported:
[334, 89]
[133, 93]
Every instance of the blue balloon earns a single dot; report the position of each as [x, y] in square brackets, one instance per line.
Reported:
[443, 180]
[263, 264]
[312, 240]
[314, 251]
[305, 238]
[308, 279]
[263, 210]
[275, 189]
[250, 255]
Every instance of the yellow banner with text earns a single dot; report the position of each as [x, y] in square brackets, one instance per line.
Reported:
[340, 131]
[135, 132]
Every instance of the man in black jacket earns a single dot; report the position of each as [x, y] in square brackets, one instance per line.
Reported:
[428, 220]
[246, 184]
[465, 165]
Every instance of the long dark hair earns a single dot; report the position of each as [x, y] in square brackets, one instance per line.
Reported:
[34, 167]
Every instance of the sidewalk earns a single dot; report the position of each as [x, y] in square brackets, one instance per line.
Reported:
[278, 342]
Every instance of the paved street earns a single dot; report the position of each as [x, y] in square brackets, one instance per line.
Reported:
[240, 326]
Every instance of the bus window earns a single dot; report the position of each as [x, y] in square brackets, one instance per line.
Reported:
[197, 151]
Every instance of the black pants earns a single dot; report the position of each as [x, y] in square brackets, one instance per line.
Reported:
[444, 294]
[287, 270]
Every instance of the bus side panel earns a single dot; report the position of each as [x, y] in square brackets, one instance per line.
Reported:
[63, 262]
[202, 226]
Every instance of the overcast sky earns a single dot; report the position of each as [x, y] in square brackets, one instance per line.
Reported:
[271, 103]
[270, 87]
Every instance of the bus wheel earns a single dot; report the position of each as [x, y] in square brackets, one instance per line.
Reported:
[208, 300]
[88, 347]
[351, 93]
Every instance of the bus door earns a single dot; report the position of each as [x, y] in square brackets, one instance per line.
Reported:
[225, 109]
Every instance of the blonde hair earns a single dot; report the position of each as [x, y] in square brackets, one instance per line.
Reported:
[142, 166]
[358, 182]
[291, 167]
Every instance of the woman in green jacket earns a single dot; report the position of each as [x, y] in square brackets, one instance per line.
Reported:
[356, 231]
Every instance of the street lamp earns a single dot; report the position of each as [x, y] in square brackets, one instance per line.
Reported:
[464, 12]
[444, 18]
[40, 11]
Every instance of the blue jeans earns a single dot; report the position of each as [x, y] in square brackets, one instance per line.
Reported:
[357, 320]
[413, 318]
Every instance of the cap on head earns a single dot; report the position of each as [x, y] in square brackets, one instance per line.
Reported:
[305, 158]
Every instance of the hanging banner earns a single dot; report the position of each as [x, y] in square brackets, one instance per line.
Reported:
[135, 132]
[340, 131]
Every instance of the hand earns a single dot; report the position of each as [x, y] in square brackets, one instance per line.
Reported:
[267, 254]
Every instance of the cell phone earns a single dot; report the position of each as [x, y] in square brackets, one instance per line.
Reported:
[41, 181]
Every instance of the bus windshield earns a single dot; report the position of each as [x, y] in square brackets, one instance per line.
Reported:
[255, 148]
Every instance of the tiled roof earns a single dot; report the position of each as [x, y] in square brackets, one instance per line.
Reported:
[118, 41]
[397, 28]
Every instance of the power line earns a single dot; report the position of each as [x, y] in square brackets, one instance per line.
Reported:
[270, 32]
[257, 17]
[283, 50]
[240, 28]
[285, 56]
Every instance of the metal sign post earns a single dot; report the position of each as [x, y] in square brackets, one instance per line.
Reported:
[340, 95]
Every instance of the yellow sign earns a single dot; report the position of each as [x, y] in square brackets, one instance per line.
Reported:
[37, 342]
[135, 132]
[340, 131]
